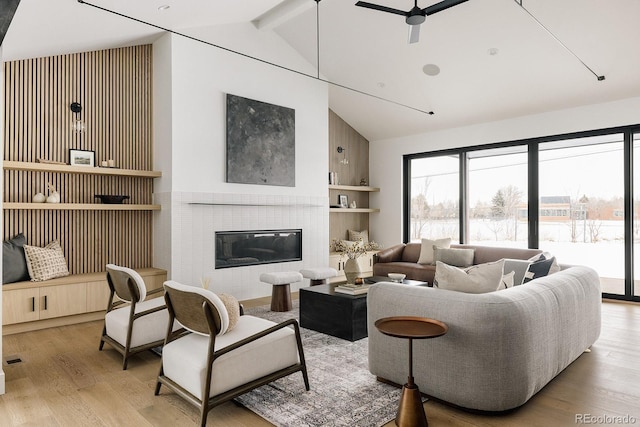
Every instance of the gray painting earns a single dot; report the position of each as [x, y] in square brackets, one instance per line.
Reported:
[261, 143]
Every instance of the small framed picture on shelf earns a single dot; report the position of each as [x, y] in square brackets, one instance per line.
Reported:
[343, 200]
[82, 158]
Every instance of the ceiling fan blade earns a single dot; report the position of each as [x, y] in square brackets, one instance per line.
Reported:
[381, 8]
[439, 7]
[414, 33]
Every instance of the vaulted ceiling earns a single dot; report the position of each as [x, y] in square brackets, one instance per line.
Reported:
[495, 60]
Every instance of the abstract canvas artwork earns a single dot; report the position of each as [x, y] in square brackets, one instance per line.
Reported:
[260, 143]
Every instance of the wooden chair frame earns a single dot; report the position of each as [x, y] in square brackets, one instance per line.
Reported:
[126, 289]
[208, 322]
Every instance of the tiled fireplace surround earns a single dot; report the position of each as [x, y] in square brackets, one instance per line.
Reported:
[184, 241]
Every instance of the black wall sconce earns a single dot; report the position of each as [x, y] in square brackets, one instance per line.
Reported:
[77, 125]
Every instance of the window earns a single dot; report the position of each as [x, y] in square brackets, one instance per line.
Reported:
[581, 185]
[435, 183]
[564, 194]
[497, 197]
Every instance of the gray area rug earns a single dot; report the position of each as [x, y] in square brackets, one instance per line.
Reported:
[343, 391]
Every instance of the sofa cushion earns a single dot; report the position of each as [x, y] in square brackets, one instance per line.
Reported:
[452, 256]
[507, 281]
[185, 359]
[411, 252]
[426, 249]
[477, 279]
[538, 269]
[519, 267]
[555, 267]
[14, 264]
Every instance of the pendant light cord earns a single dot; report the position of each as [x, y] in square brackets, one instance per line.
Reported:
[519, 3]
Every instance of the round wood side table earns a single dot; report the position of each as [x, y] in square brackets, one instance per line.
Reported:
[410, 410]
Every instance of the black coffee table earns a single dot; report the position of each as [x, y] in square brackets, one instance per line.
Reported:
[339, 315]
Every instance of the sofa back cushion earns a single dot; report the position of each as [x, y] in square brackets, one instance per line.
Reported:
[485, 254]
[411, 252]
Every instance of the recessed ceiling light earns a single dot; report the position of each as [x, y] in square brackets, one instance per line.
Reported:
[493, 51]
[163, 7]
[431, 70]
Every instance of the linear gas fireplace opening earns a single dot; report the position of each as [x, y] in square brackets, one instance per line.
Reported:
[242, 248]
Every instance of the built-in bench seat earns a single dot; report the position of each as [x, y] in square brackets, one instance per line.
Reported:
[28, 306]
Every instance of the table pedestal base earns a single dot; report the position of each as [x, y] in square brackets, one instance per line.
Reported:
[410, 411]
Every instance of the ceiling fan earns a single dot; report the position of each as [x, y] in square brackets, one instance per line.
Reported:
[415, 16]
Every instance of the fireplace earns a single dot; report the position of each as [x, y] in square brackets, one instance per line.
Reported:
[242, 248]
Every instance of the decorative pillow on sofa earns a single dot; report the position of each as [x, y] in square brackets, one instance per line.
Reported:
[357, 235]
[539, 268]
[45, 263]
[519, 267]
[14, 264]
[426, 250]
[507, 281]
[477, 279]
[546, 255]
[455, 257]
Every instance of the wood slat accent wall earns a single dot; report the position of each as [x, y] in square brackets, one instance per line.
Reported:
[114, 88]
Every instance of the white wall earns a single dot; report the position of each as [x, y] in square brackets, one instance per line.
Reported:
[385, 156]
[194, 78]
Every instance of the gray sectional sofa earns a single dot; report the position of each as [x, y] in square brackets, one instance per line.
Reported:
[501, 348]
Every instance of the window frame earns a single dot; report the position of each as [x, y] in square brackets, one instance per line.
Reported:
[533, 189]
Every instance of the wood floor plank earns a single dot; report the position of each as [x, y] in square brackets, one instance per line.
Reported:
[63, 380]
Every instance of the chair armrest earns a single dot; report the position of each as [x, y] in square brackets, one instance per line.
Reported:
[392, 254]
[260, 334]
[151, 310]
[154, 291]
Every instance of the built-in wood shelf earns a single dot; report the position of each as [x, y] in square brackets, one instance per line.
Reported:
[354, 188]
[50, 167]
[354, 210]
[79, 206]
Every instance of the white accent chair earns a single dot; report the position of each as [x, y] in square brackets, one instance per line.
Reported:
[132, 324]
[212, 365]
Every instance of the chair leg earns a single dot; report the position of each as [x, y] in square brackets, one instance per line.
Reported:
[305, 377]
[203, 414]
[125, 361]
[101, 344]
[158, 383]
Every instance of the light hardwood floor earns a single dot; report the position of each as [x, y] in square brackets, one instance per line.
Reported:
[63, 380]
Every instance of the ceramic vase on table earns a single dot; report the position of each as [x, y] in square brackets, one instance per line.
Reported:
[352, 270]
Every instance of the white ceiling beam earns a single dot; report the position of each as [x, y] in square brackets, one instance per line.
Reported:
[282, 13]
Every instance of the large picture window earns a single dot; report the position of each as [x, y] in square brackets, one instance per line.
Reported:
[565, 194]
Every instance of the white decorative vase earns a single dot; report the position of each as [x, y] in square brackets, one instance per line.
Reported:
[352, 270]
[39, 198]
[54, 197]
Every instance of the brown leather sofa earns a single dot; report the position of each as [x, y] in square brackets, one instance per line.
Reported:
[403, 258]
